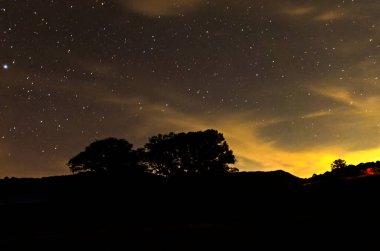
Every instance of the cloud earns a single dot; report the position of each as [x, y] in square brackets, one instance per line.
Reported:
[162, 7]
[299, 11]
[365, 104]
[256, 153]
[317, 114]
[336, 93]
[318, 12]
[329, 15]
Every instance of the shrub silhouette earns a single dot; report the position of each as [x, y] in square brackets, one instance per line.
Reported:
[202, 152]
[109, 155]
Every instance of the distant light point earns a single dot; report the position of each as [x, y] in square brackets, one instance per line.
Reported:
[5, 66]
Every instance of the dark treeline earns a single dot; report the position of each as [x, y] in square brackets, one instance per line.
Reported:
[192, 153]
[178, 192]
[341, 170]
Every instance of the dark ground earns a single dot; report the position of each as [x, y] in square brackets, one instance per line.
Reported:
[245, 211]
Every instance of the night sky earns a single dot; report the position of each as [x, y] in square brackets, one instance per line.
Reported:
[291, 84]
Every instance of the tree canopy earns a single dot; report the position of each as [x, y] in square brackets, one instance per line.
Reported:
[189, 153]
[338, 164]
[173, 154]
[109, 155]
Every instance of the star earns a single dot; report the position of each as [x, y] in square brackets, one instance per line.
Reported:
[5, 67]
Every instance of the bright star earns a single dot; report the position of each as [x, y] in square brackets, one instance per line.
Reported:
[5, 67]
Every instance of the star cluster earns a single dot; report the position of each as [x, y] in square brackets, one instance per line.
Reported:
[292, 85]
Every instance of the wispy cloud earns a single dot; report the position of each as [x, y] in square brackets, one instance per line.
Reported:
[329, 15]
[299, 11]
[366, 104]
[162, 7]
[317, 114]
[316, 12]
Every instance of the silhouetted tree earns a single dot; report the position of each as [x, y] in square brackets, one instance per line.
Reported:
[111, 155]
[338, 164]
[189, 153]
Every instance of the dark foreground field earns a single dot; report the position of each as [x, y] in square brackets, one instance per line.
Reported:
[243, 211]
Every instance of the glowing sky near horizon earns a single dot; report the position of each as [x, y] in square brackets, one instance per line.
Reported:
[293, 85]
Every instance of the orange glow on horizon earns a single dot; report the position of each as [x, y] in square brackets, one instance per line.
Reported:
[369, 171]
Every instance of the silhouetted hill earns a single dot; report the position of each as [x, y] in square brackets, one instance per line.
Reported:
[31, 190]
[359, 171]
[271, 178]
[237, 211]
